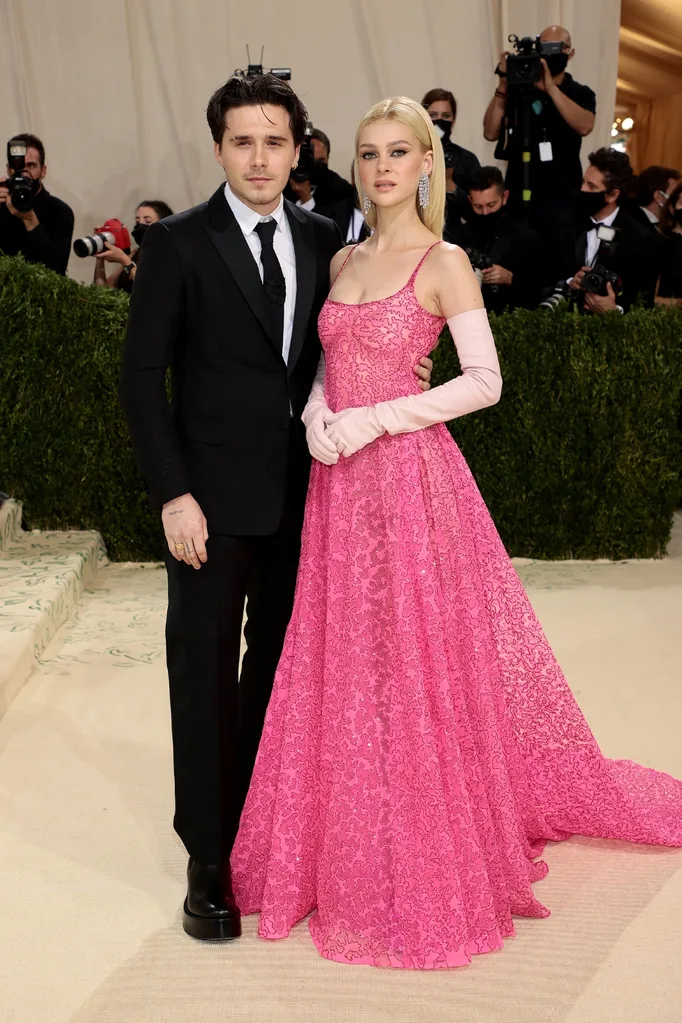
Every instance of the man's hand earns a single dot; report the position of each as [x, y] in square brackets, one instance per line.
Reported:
[184, 523]
[546, 83]
[577, 279]
[502, 66]
[114, 255]
[29, 217]
[602, 304]
[496, 274]
[424, 371]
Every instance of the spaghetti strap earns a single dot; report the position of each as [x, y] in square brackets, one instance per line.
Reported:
[421, 263]
[343, 266]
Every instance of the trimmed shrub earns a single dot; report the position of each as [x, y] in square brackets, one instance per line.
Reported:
[580, 459]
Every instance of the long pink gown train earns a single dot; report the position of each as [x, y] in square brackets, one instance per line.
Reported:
[421, 743]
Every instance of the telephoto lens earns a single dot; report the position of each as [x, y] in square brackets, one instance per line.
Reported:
[93, 244]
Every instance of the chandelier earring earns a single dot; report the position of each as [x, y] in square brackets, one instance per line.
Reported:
[424, 189]
[366, 204]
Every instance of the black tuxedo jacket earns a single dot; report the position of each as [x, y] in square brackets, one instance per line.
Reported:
[515, 247]
[199, 307]
[341, 212]
[636, 258]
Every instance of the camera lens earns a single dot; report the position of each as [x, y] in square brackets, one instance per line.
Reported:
[22, 197]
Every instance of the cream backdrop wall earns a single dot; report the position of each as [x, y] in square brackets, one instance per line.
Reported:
[117, 89]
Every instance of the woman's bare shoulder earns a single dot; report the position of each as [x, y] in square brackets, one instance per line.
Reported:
[338, 260]
[455, 285]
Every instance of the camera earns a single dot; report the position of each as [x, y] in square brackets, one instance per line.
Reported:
[523, 67]
[257, 69]
[22, 188]
[308, 167]
[560, 294]
[479, 262]
[602, 273]
[112, 231]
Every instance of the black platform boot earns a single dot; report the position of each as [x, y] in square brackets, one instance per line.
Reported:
[210, 912]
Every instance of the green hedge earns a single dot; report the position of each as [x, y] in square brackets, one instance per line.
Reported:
[580, 459]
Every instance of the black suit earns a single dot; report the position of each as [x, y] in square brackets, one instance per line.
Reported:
[513, 246]
[341, 213]
[636, 259]
[233, 439]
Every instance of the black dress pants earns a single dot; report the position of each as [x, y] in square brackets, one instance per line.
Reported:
[217, 713]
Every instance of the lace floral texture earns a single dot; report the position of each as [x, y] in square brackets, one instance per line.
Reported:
[421, 744]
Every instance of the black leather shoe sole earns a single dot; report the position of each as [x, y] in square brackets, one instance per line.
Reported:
[211, 928]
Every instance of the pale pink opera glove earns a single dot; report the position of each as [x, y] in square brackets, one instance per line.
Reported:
[319, 444]
[479, 385]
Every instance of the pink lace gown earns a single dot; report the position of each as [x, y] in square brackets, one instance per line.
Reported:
[421, 743]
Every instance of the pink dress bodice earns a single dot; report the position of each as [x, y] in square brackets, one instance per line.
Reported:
[372, 347]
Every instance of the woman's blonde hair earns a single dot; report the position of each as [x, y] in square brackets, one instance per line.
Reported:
[407, 111]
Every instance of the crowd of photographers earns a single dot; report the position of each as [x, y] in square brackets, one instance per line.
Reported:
[545, 234]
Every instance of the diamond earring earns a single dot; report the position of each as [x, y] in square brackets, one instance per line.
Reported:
[424, 190]
[366, 204]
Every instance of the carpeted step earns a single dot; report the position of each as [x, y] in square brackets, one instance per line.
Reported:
[42, 577]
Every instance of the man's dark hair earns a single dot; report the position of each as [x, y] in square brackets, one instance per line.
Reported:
[161, 208]
[440, 95]
[318, 134]
[255, 91]
[615, 167]
[667, 221]
[33, 141]
[482, 178]
[654, 179]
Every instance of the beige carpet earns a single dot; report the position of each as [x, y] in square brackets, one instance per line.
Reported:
[91, 875]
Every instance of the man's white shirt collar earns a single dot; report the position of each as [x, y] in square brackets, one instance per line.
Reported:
[607, 221]
[247, 218]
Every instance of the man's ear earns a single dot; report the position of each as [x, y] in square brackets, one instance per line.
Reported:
[571, 55]
[43, 172]
[505, 196]
[297, 157]
[218, 156]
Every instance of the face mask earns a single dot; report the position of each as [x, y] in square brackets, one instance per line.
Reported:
[488, 223]
[678, 217]
[665, 199]
[556, 63]
[443, 129]
[589, 203]
[138, 233]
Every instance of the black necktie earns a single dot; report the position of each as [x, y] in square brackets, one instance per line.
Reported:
[273, 278]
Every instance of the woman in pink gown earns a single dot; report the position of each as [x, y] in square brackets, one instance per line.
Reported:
[421, 744]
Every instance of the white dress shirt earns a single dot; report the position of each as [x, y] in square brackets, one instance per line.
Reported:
[653, 219]
[284, 250]
[354, 226]
[592, 238]
[308, 205]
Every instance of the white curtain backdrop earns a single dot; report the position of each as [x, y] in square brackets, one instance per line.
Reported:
[117, 89]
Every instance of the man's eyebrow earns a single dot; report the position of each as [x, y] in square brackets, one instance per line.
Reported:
[244, 138]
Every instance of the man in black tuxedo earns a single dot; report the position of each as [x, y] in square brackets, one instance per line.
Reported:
[580, 244]
[228, 295]
[653, 188]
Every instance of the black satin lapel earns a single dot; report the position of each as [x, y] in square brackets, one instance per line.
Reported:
[303, 235]
[238, 258]
[581, 249]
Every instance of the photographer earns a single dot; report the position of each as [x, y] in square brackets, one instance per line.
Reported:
[603, 239]
[123, 277]
[504, 251]
[441, 106]
[313, 185]
[42, 233]
[653, 188]
[561, 112]
[669, 287]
